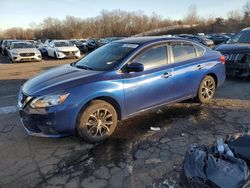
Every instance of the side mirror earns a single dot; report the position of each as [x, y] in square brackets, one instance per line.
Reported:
[135, 67]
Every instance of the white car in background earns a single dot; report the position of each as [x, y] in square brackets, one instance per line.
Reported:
[62, 49]
[23, 51]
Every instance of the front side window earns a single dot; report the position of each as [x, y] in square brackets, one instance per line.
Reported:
[153, 57]
[182, 52]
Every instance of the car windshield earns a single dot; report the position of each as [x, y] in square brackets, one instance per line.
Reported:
[75, 42]
[241, 37]
[23, 45]
[62, 44]
[106, 57]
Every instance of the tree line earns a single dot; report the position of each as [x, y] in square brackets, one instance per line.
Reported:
[123, 24]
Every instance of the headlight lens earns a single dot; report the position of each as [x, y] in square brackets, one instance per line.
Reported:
[49, 100]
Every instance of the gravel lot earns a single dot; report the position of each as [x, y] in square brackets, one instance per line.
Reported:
[133, 157]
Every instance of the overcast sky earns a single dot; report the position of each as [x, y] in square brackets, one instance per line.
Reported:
[20, 13]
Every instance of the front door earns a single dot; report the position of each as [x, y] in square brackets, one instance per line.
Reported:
[151, 87]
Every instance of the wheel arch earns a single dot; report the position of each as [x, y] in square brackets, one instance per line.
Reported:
[214, 76]
[107, 99]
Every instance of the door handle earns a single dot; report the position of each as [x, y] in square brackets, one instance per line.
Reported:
[166, 75]
[199, 67]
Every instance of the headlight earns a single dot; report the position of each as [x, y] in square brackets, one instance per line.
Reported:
[49, 100]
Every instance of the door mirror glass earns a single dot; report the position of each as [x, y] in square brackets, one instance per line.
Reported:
[135, 67]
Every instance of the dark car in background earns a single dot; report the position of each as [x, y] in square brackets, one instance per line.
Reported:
[1, 42]
[237, 53]
[115, 82]
[218, 38]
[201, 39]
[81, 45]
[91, 44]
[107, 40]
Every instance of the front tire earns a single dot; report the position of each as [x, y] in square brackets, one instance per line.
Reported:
[55, 56]
[206, 90]
[97, 122]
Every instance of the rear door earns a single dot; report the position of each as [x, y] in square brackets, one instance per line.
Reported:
[188, 68]
[151, 87]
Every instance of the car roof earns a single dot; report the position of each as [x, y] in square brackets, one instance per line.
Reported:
[151, 39]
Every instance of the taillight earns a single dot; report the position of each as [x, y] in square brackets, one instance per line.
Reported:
[223, 59]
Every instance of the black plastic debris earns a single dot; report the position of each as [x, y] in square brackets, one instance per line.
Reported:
[203, 167]
[240, 146]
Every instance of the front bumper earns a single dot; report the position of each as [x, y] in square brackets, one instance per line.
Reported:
[19, 58]
[57, 121]
[61, 55]
[38, 125]
[238, 69]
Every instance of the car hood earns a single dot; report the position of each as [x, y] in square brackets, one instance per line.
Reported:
[25, 50]
[67, 48]
[233, 48]
[58, 79]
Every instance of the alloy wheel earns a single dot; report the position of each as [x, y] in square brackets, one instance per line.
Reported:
[99, 122]
[208, 89]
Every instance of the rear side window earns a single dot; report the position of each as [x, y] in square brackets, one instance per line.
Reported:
[153, 57]
[199, 50]
[182, 52]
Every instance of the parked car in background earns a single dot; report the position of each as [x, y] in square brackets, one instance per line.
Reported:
[43, 49]
[23, 51]
[5, 46]
[237, 53]
[201, 39]
[104, 41]
[91, 45]
[1, 41]
[218, 38]
[115, 82]
[62, 49]
[80, 45]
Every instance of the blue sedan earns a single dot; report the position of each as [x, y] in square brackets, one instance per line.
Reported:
[115, 82]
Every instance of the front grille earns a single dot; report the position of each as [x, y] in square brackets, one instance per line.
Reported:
[69, 53]
[26, 54]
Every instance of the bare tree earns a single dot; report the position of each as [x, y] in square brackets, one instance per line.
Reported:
[192, 16]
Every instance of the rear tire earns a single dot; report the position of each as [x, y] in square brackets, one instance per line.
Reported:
[97, 122]
[206, 90]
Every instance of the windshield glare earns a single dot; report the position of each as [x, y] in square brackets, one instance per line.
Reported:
[23, 45]
[62, 44]
[241, 37]
[106, 57]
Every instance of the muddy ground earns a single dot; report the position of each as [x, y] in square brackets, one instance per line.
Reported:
[135, 156]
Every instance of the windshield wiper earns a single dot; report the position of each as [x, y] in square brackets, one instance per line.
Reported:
[83, 67]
